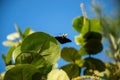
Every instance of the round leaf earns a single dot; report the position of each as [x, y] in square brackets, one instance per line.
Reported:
[94, 64]
[70, 54]
[72, 70]
[91, 25]
[93, 46]
[57, 75]
[92, 35]
[43, 44]
[78, 23]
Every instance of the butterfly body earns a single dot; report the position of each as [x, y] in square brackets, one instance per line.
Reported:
[63, 39]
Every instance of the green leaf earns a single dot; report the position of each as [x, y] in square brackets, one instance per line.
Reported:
[34, 59]
[57, 75]
[78, 23]
[9, 55]
[91, 25]
[82, 51]
[43, 44]
[4, 58]
[92, 35]
[80, 40]
[94, 64]
[16, 52]
[27, 31]
[29, 58]
[23, 58]
[72, 70]
[80, 62]
[93, 46]
[21, 72]
[38, 61]
[70, 54]
[19, 31]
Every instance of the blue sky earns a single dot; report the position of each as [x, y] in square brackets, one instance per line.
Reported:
[50, 16]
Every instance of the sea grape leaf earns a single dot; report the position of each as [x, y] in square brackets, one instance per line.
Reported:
[92, 35]
[91, 25]
[29, 58]
[57, 74]
[38, 61]
[93, 46]
[78, 23]
[21, 72]
[72, 70]
[16, 52]
[43, 44]
[70, 54]
[23, 58]
[94, 64]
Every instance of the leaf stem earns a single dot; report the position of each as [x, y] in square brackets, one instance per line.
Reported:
[83, 12]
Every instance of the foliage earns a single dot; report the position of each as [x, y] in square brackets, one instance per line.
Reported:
[33, 55]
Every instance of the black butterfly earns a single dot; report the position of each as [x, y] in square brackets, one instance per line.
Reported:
[62, 39]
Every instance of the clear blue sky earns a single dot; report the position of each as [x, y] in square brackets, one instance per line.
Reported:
[51, 16]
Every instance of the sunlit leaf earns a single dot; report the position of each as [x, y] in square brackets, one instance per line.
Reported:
[78, 23]
[8, 57]
[9, 54]
[43, 44]
[82, 51]
[57, 75]
[80, 40]
[91, 25]
[80, 62]
[27, 31]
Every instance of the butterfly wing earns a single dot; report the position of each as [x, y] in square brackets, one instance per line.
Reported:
[62, 40]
